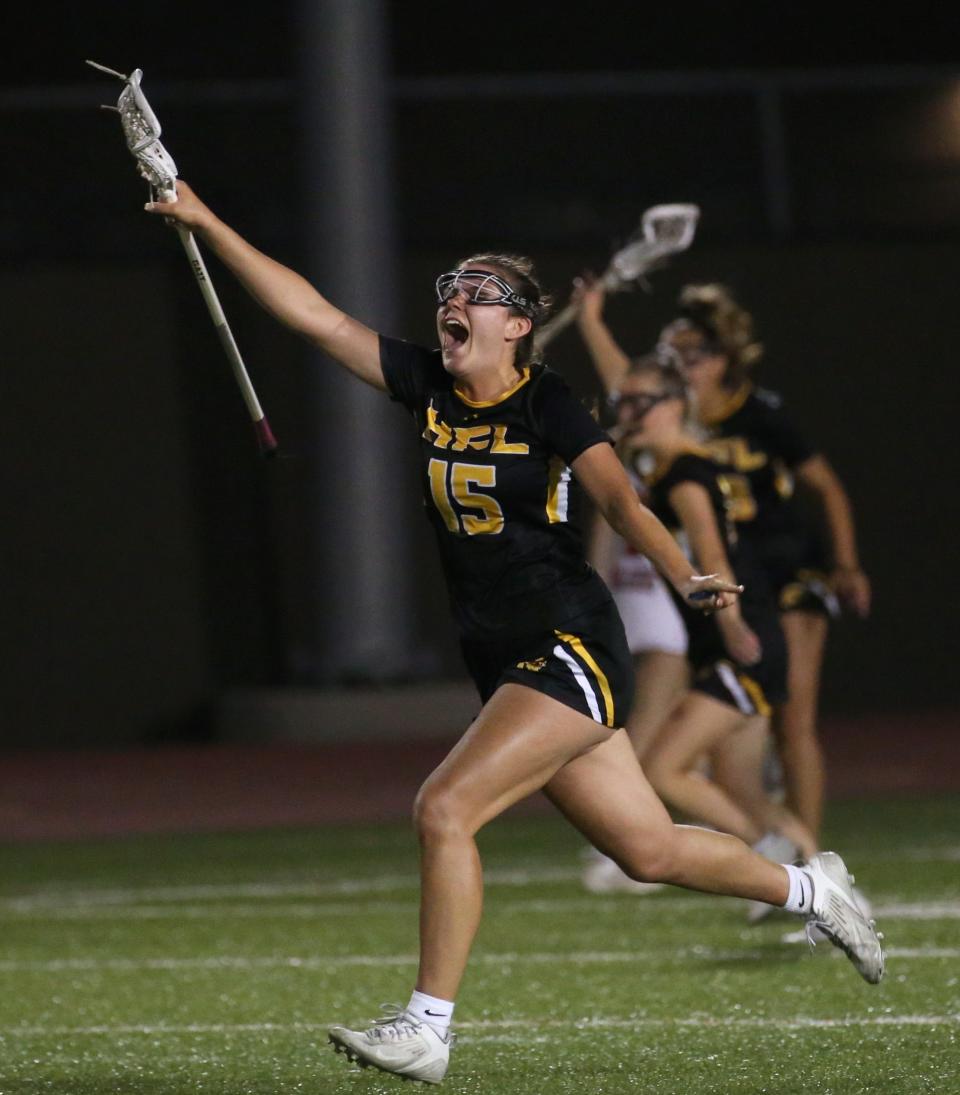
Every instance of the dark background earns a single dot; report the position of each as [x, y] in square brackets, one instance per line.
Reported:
[153, 563]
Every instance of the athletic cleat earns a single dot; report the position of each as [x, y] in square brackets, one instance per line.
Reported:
[399, 1044]
[839, 917]
[779, 849]
[603, 875]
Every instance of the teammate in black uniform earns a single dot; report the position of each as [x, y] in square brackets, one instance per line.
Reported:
[543, 641]
[738, 657]
[749, 429]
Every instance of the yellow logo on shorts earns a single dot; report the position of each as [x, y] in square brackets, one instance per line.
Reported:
[535, 666]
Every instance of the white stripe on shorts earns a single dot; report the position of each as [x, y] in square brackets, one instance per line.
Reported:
[581, 679]
[735, 688]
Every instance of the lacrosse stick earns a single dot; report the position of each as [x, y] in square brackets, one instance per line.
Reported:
[664, 230]
[142, 132]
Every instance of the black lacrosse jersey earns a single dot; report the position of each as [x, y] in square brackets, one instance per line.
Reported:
[498, 492]
[762, 446]
[719, 481]
[757, 602]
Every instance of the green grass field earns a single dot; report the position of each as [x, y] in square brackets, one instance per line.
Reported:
[215, 963]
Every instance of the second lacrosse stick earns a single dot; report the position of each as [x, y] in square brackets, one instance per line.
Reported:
[664, 230]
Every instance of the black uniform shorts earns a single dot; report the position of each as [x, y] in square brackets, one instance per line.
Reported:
[751, 689]
[797, 570]
[809, 590]
[584, 662]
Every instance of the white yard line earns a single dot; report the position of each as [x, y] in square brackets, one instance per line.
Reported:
[330, 962]
[543, 873]
[340, 887]
[487, 1029]
[886, 908]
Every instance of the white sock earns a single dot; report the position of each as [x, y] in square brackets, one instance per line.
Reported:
[800, 898]
[432, 1010]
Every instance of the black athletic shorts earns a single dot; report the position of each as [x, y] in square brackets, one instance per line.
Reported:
[751, 689]
[809, 590]
[797, 569]
[583, 662]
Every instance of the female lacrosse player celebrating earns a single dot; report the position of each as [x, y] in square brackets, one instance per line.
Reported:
[499, 439]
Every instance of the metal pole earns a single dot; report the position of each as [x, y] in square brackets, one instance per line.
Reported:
[362, 580]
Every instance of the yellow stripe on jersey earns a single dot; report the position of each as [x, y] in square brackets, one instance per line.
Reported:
[524, 377]
[755, 692]
[558, 482]
[601, 678]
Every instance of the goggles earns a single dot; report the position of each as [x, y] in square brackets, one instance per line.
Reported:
[481, 287]
[638, 405]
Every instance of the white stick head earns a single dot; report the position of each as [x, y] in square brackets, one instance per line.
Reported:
[664, 230]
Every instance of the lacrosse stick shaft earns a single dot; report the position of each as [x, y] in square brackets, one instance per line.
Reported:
[559, 322]
[265, 437]
[549, 331]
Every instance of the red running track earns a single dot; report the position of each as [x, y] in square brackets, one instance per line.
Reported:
[63, 795]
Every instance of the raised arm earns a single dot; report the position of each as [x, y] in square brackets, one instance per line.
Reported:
[286, 295]
[610, 362]
[851, 584]
[603, 478]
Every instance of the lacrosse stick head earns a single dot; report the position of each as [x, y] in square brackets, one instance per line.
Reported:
[141, 130]
[664, 230]
[671, 227]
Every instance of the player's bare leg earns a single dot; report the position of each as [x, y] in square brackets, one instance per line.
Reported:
[737, 766]
[610, 800]
[517, 743]
[795, 722]
[695, 727]
[660, 679]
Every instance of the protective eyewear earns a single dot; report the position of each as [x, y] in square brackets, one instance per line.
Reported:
[638, 405]
[481, 287]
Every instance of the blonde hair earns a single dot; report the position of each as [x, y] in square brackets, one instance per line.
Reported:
[727, 327]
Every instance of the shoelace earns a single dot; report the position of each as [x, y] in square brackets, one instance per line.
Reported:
[393, 1024]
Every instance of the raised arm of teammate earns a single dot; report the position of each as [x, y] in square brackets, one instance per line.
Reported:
[610, 362]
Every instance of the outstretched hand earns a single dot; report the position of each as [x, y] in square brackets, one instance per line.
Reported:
[187, 210]
[709, 592]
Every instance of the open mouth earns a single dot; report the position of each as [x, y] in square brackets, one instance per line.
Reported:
[454, 332]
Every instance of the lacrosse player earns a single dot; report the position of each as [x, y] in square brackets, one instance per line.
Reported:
[502, 440]
[748, 428]
[738, 657]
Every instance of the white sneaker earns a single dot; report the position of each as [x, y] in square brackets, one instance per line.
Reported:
[397, 1043]
[839, 917]
[602, 875]
[779, 849]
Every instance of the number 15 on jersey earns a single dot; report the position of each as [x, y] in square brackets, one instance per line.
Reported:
[451, 487]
